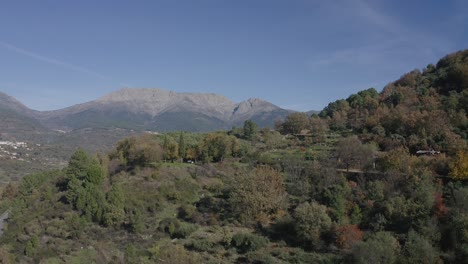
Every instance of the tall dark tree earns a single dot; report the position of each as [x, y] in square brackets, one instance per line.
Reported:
[250, 129]
[85, 176]
[182, 146]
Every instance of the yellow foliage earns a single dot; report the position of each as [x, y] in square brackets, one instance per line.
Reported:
[459, 168]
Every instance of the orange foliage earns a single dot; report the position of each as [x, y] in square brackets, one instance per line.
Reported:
[347, 236]
[440, 210]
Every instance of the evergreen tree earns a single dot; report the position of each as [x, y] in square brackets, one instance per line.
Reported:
[250, 129]
[182, 146]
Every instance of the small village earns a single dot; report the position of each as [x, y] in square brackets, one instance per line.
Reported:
[14, 150]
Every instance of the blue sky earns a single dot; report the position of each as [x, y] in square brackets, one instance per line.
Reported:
[298, 54]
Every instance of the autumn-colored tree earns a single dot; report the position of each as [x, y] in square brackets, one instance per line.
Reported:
[172, 151]
[193, 152]
[347, 236]
[459, 167]
[440, 210]
[398, 159]
[10, 191]
[217, 146]
[139, 151]
[257, 195]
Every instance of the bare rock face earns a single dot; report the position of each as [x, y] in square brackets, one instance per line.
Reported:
[158, 101]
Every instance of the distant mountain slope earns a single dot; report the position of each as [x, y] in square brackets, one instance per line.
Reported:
[161, 110]
[16, 120]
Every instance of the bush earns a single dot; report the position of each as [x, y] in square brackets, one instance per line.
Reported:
[200, 245]
[246, 242]
[184, 230]
[169, 225]
[187, 212]
[311, 221]
[380, 247]
[260, 257]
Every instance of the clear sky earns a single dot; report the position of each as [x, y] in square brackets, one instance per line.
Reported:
[298, 54]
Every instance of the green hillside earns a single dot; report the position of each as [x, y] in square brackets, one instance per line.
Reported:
[374, 178]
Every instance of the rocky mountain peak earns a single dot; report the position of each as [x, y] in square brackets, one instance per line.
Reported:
[254, 104]
[154, 109]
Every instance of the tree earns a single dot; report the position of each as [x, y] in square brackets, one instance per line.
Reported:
[165, 146]
[250, 129]
[217, 146]
[85, 168]
[91, 203]
[114, 212]
[295, 123]
[347, 236]
[380, 247]
[258, 195]
[318, 127]
[311, 221]
[273, 139]
[418, 250]
[82, 171]
[336, 198]
[459, 167]
[182, 146]
[139, 151]
[172, 151]
[352, 152]
[85, 176]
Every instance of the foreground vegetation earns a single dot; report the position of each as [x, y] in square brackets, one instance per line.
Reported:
[344, 186]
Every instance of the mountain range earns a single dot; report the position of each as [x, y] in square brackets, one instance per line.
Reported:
[96, 126]
[140, 110]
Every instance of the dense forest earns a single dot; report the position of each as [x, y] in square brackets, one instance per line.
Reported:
[373, 178]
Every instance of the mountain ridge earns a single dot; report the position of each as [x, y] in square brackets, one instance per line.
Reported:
[153, 109]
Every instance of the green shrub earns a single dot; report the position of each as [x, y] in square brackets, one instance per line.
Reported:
[169, 225]
[187, 212]
[31, 246]
[260, 257]
[200, 245]
[246, 242]
[184, 230]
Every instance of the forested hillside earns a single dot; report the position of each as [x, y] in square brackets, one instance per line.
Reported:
[374, 178]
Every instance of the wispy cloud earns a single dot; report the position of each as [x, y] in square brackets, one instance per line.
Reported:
[56, 62]
[387, 39]
[364, 55]
[383, 21]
